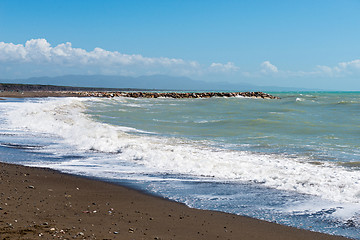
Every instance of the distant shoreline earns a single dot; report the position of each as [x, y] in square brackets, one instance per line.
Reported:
[12, 87]
[29, 90]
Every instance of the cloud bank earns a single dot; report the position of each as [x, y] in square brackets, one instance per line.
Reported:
[39, 56]
[341, 70]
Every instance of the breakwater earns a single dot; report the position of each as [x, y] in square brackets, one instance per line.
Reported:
[177, 94]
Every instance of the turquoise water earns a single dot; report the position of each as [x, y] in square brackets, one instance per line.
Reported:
[323, 126]
[294, 161]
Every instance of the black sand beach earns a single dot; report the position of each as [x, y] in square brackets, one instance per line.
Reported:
[44, 204]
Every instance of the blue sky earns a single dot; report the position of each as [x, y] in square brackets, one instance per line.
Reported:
[311, 44]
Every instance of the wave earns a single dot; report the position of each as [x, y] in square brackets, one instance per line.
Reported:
[67, 119]
[344, 102]
[21, 146]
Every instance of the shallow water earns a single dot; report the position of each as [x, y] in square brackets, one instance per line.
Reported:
[294, 161]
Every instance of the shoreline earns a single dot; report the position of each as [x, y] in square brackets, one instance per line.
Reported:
[42, 203]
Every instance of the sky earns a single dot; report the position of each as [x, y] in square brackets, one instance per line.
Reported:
[305, 44]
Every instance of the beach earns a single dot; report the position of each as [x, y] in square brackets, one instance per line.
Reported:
[38, 203]
[190, 192]
[230, 120]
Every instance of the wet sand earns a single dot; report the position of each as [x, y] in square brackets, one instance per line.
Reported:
[40, 203]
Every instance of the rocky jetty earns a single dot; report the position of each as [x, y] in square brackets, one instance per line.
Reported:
[177, 94]
[34, 90]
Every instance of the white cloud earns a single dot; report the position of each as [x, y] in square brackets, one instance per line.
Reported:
[341, 69]
[325, 70]
[11, 52]
[354, 65]
[268, 68]
[44, 59]
[219, 67]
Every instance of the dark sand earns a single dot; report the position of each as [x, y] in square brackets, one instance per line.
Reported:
[44, 204]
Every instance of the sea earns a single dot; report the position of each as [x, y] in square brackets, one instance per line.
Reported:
[294, 161]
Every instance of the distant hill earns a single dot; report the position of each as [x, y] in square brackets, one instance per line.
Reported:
[158, 82]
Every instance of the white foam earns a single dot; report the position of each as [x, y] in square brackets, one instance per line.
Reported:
[342, 212]
[66, 118]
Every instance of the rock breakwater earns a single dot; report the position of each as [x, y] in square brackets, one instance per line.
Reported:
[133, 94]
[177, 94]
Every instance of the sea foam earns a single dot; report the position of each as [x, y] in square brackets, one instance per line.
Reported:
[66, 118]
